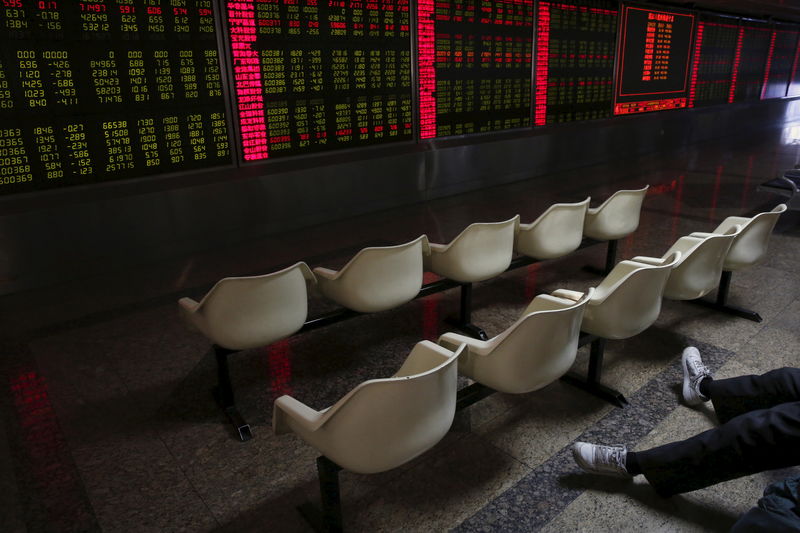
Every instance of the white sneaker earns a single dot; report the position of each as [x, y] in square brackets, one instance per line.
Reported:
[599, 459]
[693, 371]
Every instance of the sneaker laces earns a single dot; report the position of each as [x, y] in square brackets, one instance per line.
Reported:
[613, 456]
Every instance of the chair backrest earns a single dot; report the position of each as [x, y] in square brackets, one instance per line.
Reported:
[535, 351]
[384, 423]
[557, 232]
[628, 300]
[248, 312]
[379, 278]
[750, 246]
[617, 217]
[482, 251]
[700, 268]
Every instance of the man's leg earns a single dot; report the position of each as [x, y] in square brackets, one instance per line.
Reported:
[735, 396]
[753, 442]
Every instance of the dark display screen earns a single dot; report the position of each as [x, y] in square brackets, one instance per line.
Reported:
[95, 90]
[575, 44]
[752, 51]
[313, 75]
[715, 54]
[653, 66]
[475, 59]
[780, 63]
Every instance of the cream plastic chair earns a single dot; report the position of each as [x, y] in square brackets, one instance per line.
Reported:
[699, 269]
[614, 219]
[536, 350]
[749, 247]
[480, 252]
[249, 312]
[557, 232]
[624, 304]
[376, 279]
[244, 313]
[379, 425]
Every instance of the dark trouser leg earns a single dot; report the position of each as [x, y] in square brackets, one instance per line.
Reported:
[753, 442]
[735, 396]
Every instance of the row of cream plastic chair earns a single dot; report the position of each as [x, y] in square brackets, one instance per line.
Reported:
[384, 423]
[248, 312]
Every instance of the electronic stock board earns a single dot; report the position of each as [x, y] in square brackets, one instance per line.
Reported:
[715, 61]
[95, 90]
[474, 64]
[780, 63]
[314, 75]
[574, 71]
[654, 52]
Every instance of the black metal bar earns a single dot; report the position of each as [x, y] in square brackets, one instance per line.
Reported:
[327, 319]
[721, 304]
[596, 359]
[329, 518]
[591, 383]
[464, 320]
[224, 396]
[471, 394]
[724, 287]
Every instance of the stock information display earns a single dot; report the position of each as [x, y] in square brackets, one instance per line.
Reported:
[95, 90]
[780, 63]
[715, 48]
[654, 54]
[314, 75]
[574, 60]
[475, 59]
[752, 51]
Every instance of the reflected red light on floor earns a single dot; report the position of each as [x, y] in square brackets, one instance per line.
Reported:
[746, 187]
[676, 210]
[47, 457]
[530, 281]
[279, 367]
[715, 194]
[430, 310]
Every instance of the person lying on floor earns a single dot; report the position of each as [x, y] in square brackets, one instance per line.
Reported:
[759, 430]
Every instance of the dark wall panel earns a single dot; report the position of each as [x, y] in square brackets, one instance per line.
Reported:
[75, 233]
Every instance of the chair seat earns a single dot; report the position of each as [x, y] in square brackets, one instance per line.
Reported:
[480, 252]
[249, 312]
[382, 423]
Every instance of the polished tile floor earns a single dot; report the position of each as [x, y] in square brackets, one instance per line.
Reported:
[108, 423]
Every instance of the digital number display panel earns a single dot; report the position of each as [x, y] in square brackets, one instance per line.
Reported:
[475, 65]
[714, 58]
[794, 82]
[654, 51]
[575, 47]
[314, 75]
[783, 49]
[96, 90]
[752, 51]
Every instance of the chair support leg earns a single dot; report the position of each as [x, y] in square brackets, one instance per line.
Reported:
[329, 518]
[464, 320]
[591, 383]
[223, 394]
[472, 394]
[721, 303]
[611, 260]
